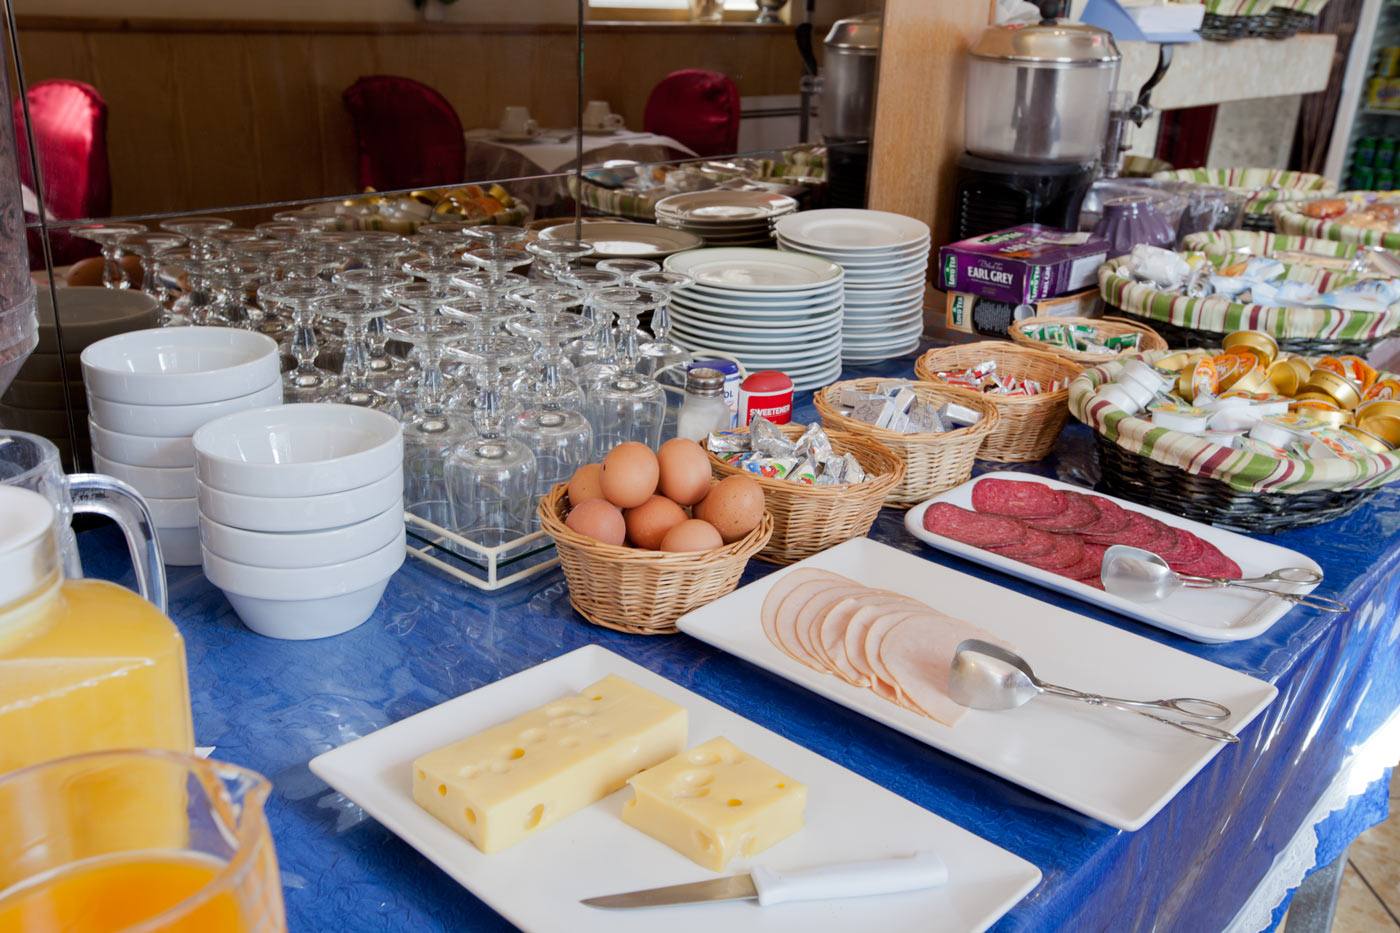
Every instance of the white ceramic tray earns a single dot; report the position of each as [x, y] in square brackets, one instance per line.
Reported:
[538, 883]
[1114, 766]
[1210, 616]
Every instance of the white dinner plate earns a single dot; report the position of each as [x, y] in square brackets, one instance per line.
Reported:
[790, 352]
[724, 305]
[773, 336]
[881, 260]
[726, 205]
[909, 251]
[911, 295]
[819, 381]
[871, 287]
[758, 270]
[885, 270]
[640, 241]
[902, 304]
[1215, 615]
[852, 229]
[901, 326]
[812, 294]
[537, 884]
[1113, 766]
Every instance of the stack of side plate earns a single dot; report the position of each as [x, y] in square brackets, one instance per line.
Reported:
[724, 217]
[769, 310]
[622, 240]
[885, 257]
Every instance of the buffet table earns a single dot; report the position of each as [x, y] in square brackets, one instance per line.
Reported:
[273, 705]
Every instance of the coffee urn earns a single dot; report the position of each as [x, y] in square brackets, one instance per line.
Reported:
[850, 61]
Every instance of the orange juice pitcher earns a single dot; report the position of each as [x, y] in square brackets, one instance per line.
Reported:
[85, 665]
[215, 872]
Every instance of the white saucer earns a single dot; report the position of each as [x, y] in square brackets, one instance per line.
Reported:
[852, 230]
[755, 270]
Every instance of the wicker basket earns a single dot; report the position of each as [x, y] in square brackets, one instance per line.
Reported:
[932, 462]
[808, 519]
[1107, 327]
[638, 591]
[1129, 475]
[1030, 425]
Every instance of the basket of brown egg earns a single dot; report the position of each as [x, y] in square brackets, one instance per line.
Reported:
[646, 537]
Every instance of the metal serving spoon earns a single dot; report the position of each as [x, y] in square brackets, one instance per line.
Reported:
[987, 676]
[1144, 577]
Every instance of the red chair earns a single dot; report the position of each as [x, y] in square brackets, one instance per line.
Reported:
[698, 108]
[406, 134]
[70, 131]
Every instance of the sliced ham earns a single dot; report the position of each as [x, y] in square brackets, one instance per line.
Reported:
[809, 617]
[779, 591]
[918, 654]
[788, 612]
[832, 629]
[874, 635]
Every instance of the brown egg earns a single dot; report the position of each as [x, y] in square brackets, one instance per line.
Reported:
[734, 507]
[598, 519]
[86, 272]
[648, 523]
[630, 473]
[586, 483]
[698, 509]
[692, 535]
[685, 471]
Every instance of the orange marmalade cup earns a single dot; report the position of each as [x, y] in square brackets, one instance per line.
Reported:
[186, 848]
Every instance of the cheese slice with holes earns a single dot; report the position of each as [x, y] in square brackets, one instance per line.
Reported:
[513, 780]
[715, 802]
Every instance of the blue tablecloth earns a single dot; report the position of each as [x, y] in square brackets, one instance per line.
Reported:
[273, 705]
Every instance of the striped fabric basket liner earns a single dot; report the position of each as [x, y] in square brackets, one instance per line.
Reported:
[1263, 186]
[1219, 244]
[1296, 223]
[1241, 471]
[1222, 316]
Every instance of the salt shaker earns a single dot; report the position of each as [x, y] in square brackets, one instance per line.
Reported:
[704, 409]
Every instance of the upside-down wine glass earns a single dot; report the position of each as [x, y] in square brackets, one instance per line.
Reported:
[629, 406]
[444, 239]
[357, 311]
[276, 257]
[628, 268]
[491, 290]
[306, 382]
[374, 285]
[146, 246]
[231, 280]
[554, 257]
[107, 236]
[437, 270]
[661, 358]
[553, 425]
[491, 476]
[421, 299]
[432, 431]
[588, 282]
[495, 237]
[190, 268]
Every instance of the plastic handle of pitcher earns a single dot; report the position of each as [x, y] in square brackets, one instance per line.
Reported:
[104, 495]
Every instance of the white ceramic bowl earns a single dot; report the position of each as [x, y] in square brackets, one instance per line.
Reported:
[139, 450]
[180, 365]
[159, 482]
[312, 513]
[301, 549]
[173, 513]
[301, 603]
[179, 547]
[297, 450]
[174, 420]
[90, 314]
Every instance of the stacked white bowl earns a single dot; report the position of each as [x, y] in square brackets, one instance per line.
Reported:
[301, 514]
[148, 391]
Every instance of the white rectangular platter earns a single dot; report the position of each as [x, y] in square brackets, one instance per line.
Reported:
[1214, 615]
[1114, 766]
[537, 884]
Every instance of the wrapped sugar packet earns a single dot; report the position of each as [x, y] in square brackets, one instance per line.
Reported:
[924, 419]
[814, 443]
[874, 410]
[958, 416]
[854, 473]
[768, 439]
[722, 442]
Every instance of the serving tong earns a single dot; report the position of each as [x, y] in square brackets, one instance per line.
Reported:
[1144, 577]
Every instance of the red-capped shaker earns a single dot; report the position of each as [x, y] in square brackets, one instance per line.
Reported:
[767, 393]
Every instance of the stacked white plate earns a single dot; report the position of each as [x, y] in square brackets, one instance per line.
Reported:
[725, 217]
[768, 309]
[301, 514]
[885, 257]
[148, 391]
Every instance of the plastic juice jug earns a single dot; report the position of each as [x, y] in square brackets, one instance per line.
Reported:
[211, 868]
[85, 665]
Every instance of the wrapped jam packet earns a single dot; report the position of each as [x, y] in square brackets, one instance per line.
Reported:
[959, 416]
[924, 419]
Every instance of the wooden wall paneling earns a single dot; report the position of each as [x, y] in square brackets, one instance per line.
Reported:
[292, 147]
[215, 112]
[919, 107]
[339, 60]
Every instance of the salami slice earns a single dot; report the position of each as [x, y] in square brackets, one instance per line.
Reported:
[1142, 531]
[1036, 543]
[1212, 563]
[1189, 549]
[1080, 512]
[978, 530]
[1018, 498]
[1112, 517]
[1090, 566]
[1069, 550]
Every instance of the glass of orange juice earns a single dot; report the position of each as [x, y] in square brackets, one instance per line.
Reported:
[146, 840]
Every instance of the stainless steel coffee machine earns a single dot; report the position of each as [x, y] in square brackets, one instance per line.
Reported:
[845, 90]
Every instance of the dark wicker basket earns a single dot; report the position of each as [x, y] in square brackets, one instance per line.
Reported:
[1225, 28]
[1264, 223]
[1140, 479]
[1189, 338]
[1281, 23]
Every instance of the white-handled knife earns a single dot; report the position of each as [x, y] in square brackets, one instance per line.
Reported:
[849, 879]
